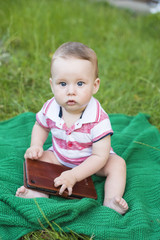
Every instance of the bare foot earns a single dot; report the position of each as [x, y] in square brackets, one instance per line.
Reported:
[118, 204]
[28, 193]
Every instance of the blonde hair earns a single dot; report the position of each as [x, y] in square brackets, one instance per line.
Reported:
[77, 50]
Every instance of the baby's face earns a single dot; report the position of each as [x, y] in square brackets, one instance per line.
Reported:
[73, 83]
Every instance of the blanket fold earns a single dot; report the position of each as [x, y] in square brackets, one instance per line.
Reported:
[134, 138]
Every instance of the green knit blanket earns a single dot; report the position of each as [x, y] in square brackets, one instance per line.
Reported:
[135, 139]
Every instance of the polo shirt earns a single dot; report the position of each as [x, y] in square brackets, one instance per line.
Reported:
[73, 145]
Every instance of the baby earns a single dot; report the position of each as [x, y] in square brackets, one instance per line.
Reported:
[81, 129]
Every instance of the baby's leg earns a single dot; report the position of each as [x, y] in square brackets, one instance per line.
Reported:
[48, 156]
[115, 170]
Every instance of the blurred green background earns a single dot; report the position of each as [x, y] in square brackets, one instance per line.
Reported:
[127, 46]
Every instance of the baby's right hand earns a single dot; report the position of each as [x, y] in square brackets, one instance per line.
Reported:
[34, 152]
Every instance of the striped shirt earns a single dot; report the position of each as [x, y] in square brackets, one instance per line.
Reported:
[73, 145]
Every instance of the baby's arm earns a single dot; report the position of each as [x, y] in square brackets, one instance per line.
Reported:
[98, 159]
[39, 136]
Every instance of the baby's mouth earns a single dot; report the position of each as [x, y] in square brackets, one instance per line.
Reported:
[71, 102]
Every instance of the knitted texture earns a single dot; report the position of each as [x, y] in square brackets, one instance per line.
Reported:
[135, 139]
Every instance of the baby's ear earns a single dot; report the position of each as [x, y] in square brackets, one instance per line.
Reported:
[96, 85]
[51, 84]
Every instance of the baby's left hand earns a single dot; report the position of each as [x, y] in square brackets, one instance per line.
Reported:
[67, 180]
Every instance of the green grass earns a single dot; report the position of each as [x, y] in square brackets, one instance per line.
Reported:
[127, 46]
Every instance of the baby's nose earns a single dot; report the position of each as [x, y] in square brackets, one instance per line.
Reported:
[71, 89]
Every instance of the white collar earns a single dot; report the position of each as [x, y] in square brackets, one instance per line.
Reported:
[91, 113]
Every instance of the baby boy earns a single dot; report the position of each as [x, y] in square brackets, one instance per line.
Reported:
[81, 129]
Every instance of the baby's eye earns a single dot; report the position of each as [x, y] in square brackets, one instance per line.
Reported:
[63, 84]
[80, 83]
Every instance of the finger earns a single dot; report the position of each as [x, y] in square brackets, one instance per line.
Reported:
[69, 191]
[34, 155]
[57, 183]
[40, 153]
[29, 155]
[55, 180]
[26, 155]
[62, 189]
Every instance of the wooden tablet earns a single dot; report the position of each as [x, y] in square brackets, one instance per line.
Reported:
[40, 176]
